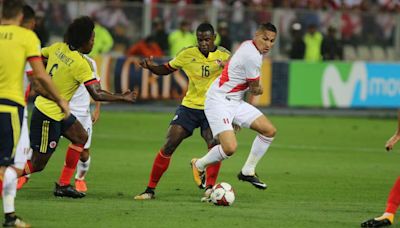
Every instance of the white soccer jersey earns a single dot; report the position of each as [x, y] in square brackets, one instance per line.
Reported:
[244, 66]
[80, 102]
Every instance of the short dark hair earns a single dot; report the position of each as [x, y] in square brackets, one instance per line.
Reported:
[79, 32]
[28, 12]
[205, 27]
[268, 26]
[11, 8]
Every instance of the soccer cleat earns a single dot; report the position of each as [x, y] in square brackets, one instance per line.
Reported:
[207, 195]
[198, 175]
[378, 222]
[67, 191]
[80, 185]
[22, 181]
[254, 180]
[16, 222]
[146, 195]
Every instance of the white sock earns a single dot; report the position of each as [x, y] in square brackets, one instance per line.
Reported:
[260, 146]
[216, 154]
[9, 190]
[81, 169]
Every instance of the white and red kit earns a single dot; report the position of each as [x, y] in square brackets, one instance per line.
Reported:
[224, 104]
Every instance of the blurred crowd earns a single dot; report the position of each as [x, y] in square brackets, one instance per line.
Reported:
[120, 24]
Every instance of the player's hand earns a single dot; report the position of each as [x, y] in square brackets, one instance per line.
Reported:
[64, 107]
[130, 96]
[145, 63]
[95, 116]
[221, 63]
[392, 141]
[257, 91]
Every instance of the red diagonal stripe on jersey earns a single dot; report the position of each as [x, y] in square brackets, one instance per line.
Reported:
[224, 76]
[239, 87]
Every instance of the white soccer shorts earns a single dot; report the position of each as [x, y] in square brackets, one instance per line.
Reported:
[87, 124]
[23, 151]
[222, 112]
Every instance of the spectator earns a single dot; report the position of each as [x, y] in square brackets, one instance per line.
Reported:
[298, 46]
[332, 48]
[223, 32]
[103, 41]
[159, 35]
[312, 40]
[180, 38]
[145, 48]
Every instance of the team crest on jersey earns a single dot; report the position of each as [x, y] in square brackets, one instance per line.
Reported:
[193, 60]
[53, 144]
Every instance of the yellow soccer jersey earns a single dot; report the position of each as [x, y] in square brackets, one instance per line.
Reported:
[17, 45]
[68, 70]
[201, 71]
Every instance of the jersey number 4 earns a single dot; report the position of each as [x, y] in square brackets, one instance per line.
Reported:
[205, 71]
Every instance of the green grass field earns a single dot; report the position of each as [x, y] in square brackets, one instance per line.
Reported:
[321, 172]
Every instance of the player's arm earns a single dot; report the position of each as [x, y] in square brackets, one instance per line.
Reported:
[396, 137]
[254, 87]
[98, 94]
[48, 88]
[148, 63]
[96, 112]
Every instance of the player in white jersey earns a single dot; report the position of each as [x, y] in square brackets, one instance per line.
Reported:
[225, 105]
[80, 108]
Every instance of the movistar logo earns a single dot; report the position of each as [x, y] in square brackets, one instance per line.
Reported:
[340, 93]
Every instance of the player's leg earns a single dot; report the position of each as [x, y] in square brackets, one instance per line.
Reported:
[44, 135]
[84, 161]
[213, 169]
[392, 204]
[176, 134]
[23, 151]
[251, 117]
[73, 130]
[11, 117]
[220, 115]
[81, 170]
[181, 127]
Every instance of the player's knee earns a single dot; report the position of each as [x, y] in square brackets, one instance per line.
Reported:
[229, 148]
[81, 139]
[269, 131]
[168, 149]
[84, 155]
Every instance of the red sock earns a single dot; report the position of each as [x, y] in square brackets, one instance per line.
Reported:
[28, 168]
[394, 198]
[212, 173]
[71, 160]
[160, 165]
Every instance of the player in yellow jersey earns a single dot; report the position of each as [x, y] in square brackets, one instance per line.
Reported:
[69, 68]
[22, 45]
[202, 64]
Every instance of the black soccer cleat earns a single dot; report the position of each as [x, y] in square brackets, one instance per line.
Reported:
[376, 223]
[254, 180]
[67, 191]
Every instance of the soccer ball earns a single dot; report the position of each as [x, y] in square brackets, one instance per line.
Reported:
[222, 194]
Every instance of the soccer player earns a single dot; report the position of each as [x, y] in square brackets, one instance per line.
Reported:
[393, 201]
[224, 105]
[80, 107]
[25, 47]
[202, 64]
[69, 67]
